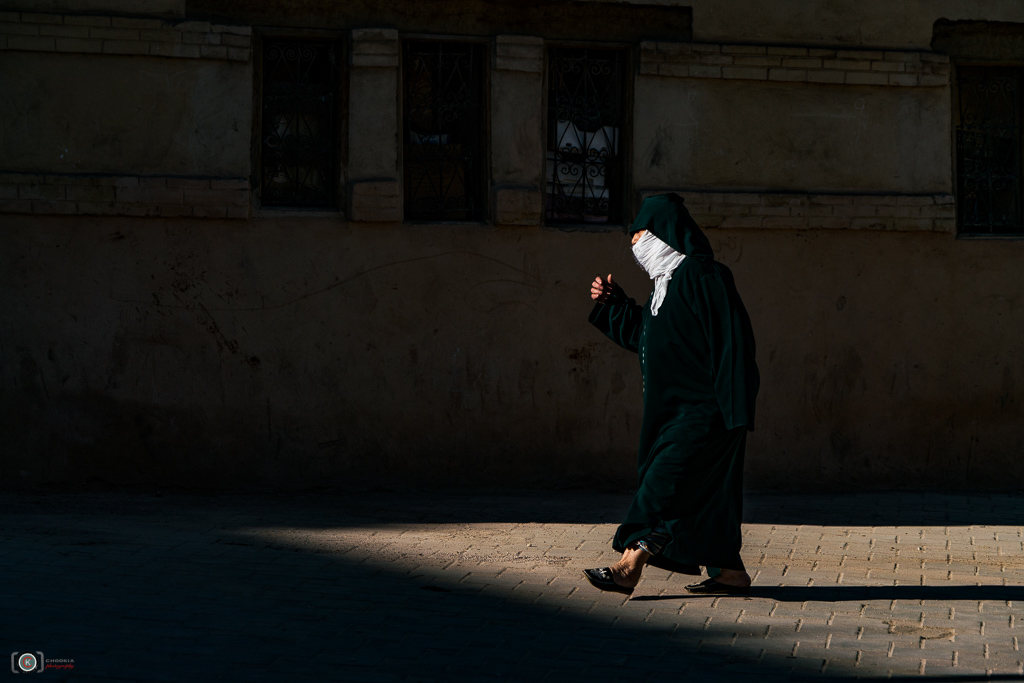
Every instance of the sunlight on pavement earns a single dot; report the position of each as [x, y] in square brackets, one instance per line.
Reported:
[861, 601]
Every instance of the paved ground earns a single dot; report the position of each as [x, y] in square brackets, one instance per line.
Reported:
[482, 586]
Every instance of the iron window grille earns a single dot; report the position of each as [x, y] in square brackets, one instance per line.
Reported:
[442, 131]
[586, 116]
[297, 141]
[988, 150]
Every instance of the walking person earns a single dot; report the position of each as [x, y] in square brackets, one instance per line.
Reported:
[700, 382]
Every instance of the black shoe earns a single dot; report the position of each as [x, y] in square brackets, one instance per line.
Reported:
[712, 587]
[602, 578]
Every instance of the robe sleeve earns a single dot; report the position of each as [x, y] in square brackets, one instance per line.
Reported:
[718, 306]
[621, 320]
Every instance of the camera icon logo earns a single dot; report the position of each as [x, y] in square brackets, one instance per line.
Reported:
[27, 662]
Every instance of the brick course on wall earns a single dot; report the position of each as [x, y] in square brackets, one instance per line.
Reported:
[806, 64]
[791, 211]
[110, 195]
[167, 196]
[123, 36]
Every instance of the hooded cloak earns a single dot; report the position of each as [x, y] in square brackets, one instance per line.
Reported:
[700, 383]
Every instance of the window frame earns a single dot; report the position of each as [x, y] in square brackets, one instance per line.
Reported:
[262, 34]
[629, 200]
[955, 66]
[485, 45]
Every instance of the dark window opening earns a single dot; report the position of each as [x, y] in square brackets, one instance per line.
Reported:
[297, 145]
[585, 143]
[442, 131]
[988, 150]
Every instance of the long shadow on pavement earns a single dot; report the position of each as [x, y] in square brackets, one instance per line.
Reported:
[233, 613]
[134, 596]
[885, 509]
[871, 509]
[145, 590]
[866, 593]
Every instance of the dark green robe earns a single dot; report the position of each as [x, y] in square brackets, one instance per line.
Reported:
[700, 384]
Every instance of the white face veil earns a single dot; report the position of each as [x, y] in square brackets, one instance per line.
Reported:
[660, 261]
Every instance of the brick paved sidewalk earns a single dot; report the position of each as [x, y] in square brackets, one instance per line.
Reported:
[477, 587]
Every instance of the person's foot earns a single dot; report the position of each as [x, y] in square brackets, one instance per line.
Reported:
[626, 572]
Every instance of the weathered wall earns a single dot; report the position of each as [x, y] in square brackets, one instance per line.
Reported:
[872, 23]
[294, 352]
[135, 8]
[108, 114]
[142, 339]
[710, 133]
[868, 23]
[594, 21]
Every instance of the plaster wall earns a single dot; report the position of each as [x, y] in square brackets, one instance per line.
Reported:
[159, 8]
[791, 136]
[373, 143]
[110, 114]
[867, 23]
[516, 98]
[295, 351]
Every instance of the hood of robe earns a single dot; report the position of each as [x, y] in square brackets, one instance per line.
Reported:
[667, 218]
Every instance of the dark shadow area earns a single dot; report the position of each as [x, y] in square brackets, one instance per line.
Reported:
[330, 508]
[885, 508]
[993, 41]
[151, 589]
[566, 20]
[962, 679]
[323, 509]
[179, 607]
[866, 593]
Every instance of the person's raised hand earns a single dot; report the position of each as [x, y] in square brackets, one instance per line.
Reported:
[601, 290]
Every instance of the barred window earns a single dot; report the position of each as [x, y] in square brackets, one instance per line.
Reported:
[442, 134]
[586, 105]
[988, 150]
[297, 142]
